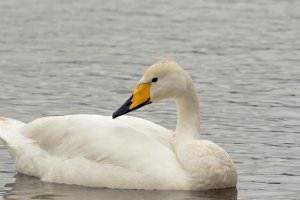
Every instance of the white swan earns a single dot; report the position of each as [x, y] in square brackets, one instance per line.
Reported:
[126, 152]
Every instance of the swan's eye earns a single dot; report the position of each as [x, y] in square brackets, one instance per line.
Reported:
[154, 80]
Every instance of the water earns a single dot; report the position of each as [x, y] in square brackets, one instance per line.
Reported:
[66, 57]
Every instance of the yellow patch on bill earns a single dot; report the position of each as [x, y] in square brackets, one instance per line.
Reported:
[140, 95]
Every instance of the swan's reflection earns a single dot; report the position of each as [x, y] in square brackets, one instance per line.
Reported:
[26, 187]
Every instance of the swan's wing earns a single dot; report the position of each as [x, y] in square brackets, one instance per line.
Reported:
[96, 137]
[99, 151]
[95, 151]
[149, 129]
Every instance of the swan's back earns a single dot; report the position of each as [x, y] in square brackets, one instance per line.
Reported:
[96, 137]
[98, 151]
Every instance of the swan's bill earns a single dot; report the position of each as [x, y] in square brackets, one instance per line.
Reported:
[139, 98]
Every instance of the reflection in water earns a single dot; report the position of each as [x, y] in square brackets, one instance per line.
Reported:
[26, 187]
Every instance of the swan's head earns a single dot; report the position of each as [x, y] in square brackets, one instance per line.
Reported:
[163, 80]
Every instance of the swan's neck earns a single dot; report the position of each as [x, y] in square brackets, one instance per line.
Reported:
[188, 116]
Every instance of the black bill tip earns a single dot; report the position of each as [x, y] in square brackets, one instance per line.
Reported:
[123, 109]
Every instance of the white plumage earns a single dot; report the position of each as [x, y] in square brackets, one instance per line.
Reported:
[126, 152]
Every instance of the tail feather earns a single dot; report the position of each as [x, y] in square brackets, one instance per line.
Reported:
[10, 133]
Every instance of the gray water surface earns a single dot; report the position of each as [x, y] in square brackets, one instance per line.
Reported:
[66, 57]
